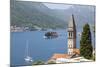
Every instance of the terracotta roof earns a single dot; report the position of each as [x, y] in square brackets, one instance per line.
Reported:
[55, 56]
[76, 51]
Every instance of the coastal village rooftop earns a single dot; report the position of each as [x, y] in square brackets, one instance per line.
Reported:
[73, 52]
[66, 56]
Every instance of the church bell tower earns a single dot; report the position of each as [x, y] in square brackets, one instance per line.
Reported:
[71, 35]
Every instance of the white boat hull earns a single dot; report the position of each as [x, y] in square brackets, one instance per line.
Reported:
[28, 59]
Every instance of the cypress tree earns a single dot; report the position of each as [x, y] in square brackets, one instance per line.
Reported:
[86, 48]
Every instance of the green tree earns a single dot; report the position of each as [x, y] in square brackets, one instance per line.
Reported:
[86, 48]
[52, 62]
[38, 62]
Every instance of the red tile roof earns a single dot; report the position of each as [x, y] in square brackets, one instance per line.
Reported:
[55, 56]
[58, 55]
[76, 51]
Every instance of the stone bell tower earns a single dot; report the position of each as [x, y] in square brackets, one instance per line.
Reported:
[71, 35]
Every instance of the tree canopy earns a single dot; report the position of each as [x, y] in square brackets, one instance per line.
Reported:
[86, 48]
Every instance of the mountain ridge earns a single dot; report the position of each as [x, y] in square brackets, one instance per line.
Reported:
[36, 13]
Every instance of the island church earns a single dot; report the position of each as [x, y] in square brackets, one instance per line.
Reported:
[72, 50]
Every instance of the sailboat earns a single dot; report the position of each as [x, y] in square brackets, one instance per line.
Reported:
[27, 57]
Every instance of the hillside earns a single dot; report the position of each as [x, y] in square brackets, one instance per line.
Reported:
[38, 14]
[28, 14]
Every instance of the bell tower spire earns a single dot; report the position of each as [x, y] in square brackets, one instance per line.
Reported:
[71, 35]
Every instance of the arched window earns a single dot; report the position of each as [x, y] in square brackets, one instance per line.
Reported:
[72, 34]
[69, 34]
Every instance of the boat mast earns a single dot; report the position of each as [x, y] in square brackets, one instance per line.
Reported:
[27, 46]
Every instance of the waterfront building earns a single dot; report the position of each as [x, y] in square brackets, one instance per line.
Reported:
[73, 52]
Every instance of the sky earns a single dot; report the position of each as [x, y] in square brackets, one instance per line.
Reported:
[57, 6]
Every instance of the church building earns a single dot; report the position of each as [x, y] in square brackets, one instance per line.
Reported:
[72, 51]
[71, 35]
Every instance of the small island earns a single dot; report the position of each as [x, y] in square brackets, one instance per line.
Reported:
[51, 34]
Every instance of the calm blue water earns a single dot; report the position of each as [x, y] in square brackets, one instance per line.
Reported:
[39, 48]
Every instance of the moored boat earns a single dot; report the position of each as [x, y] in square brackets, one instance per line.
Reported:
[27, 58]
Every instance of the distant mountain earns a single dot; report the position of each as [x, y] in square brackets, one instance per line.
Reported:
[24, 13]
[31, 14]
[83, 14]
